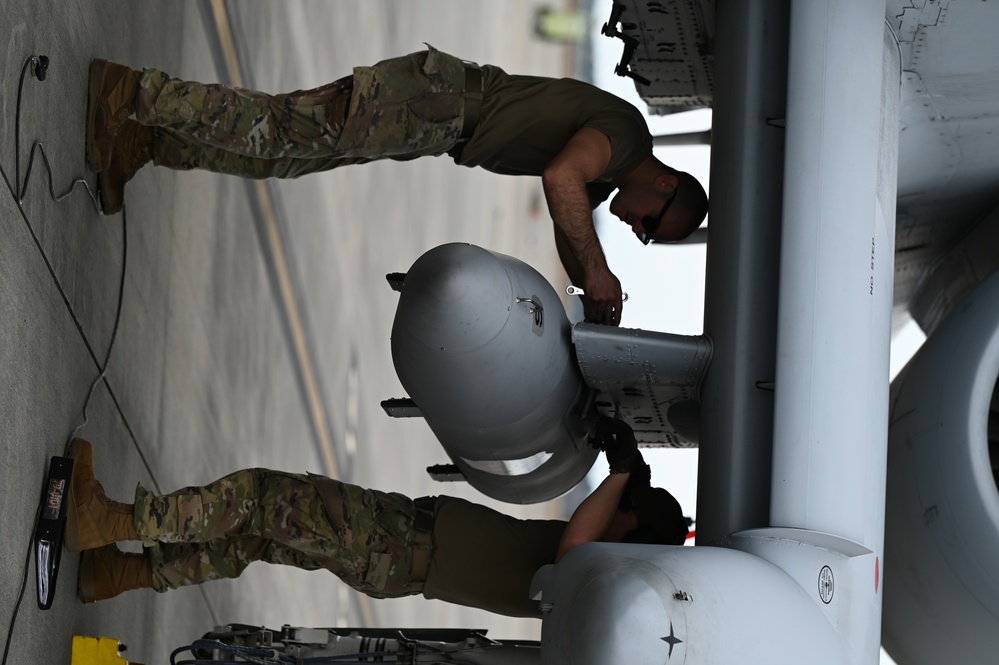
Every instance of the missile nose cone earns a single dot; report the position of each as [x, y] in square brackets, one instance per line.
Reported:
[445, 292]
[482, 345]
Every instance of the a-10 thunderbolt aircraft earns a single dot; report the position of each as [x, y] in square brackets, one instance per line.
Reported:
[854, 183]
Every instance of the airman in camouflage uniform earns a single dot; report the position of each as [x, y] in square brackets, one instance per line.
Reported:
[401, 108]
[584, 142]
[381, 543]
[365, 537]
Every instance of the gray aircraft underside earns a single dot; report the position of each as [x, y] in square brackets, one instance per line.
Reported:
[877, 131]
[482, 345]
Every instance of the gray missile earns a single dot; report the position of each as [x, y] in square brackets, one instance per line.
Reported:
[482, 344]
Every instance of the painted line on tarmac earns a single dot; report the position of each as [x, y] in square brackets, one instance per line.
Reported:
[277, 256]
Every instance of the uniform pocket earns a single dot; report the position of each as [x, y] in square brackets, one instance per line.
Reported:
[379, 569]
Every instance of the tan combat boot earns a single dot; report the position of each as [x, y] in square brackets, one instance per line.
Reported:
[107, 572]
[110, 99]
[92, 519]
[133, 148]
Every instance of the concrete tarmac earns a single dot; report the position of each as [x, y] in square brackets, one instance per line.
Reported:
[255, 318]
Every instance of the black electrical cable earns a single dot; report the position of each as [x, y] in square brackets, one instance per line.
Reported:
[20, 597]
[114, 330]
[38, 66]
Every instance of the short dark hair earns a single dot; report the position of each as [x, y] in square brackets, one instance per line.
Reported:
[690, 205]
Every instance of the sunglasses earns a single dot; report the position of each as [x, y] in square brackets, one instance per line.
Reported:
[650, 224]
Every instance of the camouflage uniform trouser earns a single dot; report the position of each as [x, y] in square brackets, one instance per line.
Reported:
[365, 537]
[401, 108]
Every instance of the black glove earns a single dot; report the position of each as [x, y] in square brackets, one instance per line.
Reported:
[641, 473]
[640, 478]
[618, 442]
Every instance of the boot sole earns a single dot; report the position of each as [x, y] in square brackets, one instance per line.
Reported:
[81, 451]
[85, 579]
[106, 208]
[97, 68]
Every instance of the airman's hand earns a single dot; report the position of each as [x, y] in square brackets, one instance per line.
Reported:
[603, 300]
[618, 442]
[641, 472]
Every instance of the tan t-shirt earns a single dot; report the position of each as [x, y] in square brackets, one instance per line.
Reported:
[526, 120]
[483, 558]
